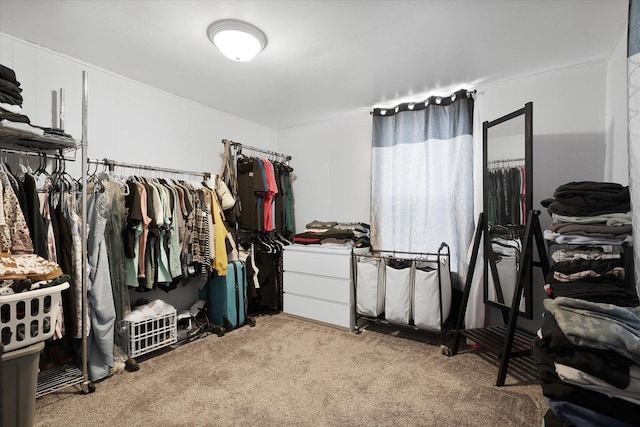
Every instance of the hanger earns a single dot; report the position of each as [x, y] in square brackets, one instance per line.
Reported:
[283, 239]
[22, 170]
[42, 165]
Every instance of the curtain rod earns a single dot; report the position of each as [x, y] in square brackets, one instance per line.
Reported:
[260, 150]
[421, 105]
[111, 164]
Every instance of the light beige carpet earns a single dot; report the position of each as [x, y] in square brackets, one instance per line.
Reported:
[289, 372]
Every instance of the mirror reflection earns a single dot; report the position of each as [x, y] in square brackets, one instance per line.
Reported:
[506, 209]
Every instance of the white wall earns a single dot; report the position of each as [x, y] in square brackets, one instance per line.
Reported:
[617, 167]
[128, 122]
[332, 163]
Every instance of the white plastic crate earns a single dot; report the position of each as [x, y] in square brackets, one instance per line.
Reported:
[29, 317]
[144, 336]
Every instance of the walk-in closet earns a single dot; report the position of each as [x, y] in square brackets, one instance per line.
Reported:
[357, 213]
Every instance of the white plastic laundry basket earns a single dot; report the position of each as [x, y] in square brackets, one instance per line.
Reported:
[29, 317]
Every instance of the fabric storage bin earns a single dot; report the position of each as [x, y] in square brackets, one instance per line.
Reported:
[370, 287]
[427, 290]
[29, 317]
[397, 304]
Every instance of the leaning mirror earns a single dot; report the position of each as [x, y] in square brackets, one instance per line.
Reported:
[507, 158]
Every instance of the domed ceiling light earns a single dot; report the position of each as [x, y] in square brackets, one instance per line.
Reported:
[237, 40]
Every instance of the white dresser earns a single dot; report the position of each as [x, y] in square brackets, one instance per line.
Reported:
[317, 284]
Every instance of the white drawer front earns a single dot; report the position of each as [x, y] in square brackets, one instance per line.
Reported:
[320, 263]
[322, 287]
[323, 311]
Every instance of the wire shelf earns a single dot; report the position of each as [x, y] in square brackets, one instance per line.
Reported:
[56, 378]
[24, 141]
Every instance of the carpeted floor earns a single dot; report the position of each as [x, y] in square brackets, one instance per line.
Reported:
[287, 371]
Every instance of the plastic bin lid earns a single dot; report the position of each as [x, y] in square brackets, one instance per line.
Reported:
[24, 351]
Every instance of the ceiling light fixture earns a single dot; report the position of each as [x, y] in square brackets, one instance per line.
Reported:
[237, 40]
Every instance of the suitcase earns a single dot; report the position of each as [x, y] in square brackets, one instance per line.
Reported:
[227, 297]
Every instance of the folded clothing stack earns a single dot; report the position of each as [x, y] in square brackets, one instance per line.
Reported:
[589, 198]
[11, 104]
[11, 116]
[590, 230]
[10, 93]
[334, 233]
[587, 351]
[28, 266]
[20, 273]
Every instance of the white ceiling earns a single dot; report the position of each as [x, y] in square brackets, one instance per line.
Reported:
[324, 58]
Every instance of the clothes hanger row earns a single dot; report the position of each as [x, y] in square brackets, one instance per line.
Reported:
[272, 155]
[496, 164]
[268, 242]
[146, 170]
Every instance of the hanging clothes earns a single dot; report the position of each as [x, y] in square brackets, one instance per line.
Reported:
[220, 259]
[265, 195]
[72, 305]
[102, 311]
[14, 231]
[251, 187]
[173, 229]
[506, 196]
[33, 216]
[115, 253]
[263, 256]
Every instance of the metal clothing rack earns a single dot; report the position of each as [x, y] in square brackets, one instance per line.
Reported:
[442, 253]
[238, 147]
[68, 375]
[112, 164]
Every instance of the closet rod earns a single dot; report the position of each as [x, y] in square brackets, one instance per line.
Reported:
[493, 162]
[260, 150]
[111, 164]
[377, 253]
[416, 256]
[59, 155]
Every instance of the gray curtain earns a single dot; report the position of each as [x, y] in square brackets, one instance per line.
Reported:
[633, 81]
[422, 177]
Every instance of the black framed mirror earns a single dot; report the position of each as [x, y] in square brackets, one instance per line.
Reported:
[507, 185]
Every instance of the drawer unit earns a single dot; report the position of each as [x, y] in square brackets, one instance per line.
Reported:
[333, 313]
[323, 262]
[319, 287]
[317, 284]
